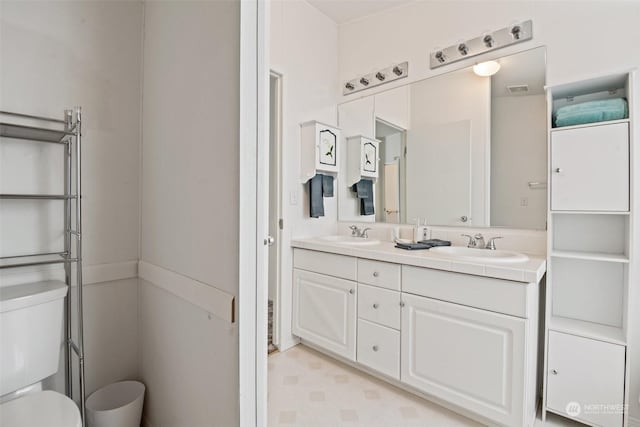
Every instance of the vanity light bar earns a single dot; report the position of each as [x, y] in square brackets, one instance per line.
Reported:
[488, 42]
[377, 78]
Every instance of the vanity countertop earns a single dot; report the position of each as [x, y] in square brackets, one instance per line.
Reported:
[528, 271]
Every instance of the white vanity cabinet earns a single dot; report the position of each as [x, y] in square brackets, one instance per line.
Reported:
[324, 304]
[467, 341]
[590, 168]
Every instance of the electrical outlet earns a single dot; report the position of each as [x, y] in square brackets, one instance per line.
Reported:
[293, 198]
[524, 201]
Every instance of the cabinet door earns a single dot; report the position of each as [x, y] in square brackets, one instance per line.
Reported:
[590, 168]
[586, 379]
[324, 312]
[471, 358]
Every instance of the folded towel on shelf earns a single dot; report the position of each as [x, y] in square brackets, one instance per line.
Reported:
[592, 112]
[316, 202]
[364, 191]
[327, 185]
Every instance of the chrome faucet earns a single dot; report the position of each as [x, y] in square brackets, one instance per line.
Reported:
[491, 244]
[477, 241]
[357, 232]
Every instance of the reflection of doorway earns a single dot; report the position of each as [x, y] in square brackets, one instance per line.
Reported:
[438, 172]
[275, 214]
[389, 194]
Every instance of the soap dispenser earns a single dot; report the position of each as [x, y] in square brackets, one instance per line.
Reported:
[420, 230]
[417, 231]
[425, 230]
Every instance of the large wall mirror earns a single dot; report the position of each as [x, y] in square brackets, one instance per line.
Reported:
[458, 149]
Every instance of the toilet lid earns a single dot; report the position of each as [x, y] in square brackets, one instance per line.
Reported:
[40, 409]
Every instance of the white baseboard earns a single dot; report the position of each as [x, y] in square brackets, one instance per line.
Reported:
[91, 274]
[207, 297]
[634, 422]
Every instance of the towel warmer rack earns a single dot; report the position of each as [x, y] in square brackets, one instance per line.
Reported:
[70, 136]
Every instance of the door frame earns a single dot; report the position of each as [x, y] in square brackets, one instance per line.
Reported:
[278, 197]
[254, 212]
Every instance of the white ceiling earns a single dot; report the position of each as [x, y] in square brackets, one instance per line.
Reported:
[342, 11]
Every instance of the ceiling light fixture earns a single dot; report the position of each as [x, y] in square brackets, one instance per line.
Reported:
[376, 78]
[489, 41]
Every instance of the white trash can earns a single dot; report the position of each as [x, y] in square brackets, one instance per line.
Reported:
[116, 405]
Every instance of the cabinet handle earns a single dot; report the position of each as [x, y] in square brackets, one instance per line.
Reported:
[375, 348]
[375, 274]
[375, 305]
[554, 372]
[558, 170]
[352, 291]
[401, 303]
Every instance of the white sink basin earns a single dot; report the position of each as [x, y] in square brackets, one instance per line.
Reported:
[349, 240]
[480, 255]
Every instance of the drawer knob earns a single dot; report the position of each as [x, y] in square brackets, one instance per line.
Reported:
[375, 348]
[376, 274]
[401, 303]
[375, 305]
[558, 170]
[352, 291]
[554, 372]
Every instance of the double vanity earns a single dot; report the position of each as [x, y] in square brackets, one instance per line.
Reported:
[457, 326]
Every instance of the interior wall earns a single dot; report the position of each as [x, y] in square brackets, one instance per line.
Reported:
[53, 56]
[518, 125]
[190, 211]
[566, 28]
[303, 47]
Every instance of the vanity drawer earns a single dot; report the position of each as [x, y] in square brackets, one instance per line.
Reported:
[498, 295]
[379, 305]
[378, 273]
[334, 265]
[379, 348]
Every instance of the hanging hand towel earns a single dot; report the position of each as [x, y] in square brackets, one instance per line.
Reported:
[316, 202]
[364, 190]
[327, 185]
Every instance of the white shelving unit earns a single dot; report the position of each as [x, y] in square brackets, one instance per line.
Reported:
[590, 257]
[318, 149]
[363, 158]
[67, 134]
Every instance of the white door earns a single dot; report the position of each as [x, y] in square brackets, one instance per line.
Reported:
[585, 379]
[438, 173]
[392, 193]
[471, 358]
[324, 312]
[590, 168]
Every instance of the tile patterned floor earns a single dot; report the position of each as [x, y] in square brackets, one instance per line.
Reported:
[309, 389]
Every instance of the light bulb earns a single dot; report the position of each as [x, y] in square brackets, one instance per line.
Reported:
[486, 69]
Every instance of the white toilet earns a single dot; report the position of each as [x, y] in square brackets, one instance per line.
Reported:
[31, 325]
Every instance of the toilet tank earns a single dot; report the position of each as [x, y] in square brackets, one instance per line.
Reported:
[31, 325]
